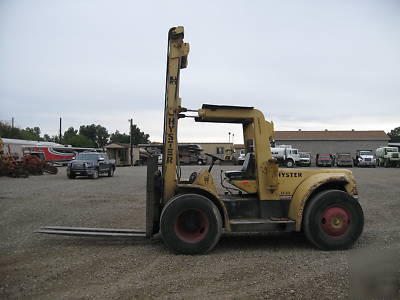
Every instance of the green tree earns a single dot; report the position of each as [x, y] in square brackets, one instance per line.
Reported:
[54, 138]
[96, 133]
[9, 132]
[88, 131]
[118, 137]
[101, 136]
[69, 134]
[31, 134]
[138, 137]
[394, 132]
[81, 141]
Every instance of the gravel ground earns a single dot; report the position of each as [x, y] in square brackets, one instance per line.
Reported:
[260, 266]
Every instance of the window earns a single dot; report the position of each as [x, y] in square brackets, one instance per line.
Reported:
[220, 150]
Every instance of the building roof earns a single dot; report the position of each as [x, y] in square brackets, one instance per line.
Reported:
[119, 146]
[328, 135]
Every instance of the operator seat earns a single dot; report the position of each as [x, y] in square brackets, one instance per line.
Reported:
[247, 171]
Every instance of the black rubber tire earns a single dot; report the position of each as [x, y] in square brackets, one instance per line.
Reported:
[71, 175]
[95, 175]
[171, 224]
[111, 172]
[313, 220]
[290, 163]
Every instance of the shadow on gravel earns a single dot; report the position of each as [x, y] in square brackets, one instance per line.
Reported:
[227, 243]
[58, 241]
[251, 242]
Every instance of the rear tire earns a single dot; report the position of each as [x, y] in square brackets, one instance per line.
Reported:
[333, 220]
[190, 224]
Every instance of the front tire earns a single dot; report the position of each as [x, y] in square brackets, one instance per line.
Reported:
[290, 163]
[333, 220]
[95, 174]
[190, 224]
[111, 172]
[71, 175]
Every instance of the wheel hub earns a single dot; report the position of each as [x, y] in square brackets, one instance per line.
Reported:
[191, 225]
[335, 221]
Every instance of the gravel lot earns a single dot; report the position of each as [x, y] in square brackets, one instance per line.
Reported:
[260, 266]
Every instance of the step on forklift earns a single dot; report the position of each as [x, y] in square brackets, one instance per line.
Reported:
[191, 215]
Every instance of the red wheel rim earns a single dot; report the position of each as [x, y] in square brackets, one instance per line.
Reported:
[191, 226]
[335, 221]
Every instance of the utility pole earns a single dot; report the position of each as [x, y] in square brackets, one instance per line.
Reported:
[131, 140]
[12, 122]
[60, 130]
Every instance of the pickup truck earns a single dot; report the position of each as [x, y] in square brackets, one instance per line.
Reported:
[305, 159]
[324, 160]
[344, 160]
[91, 164]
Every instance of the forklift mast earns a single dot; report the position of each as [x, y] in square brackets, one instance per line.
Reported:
[176, 60]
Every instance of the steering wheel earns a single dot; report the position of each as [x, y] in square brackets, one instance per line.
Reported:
[214, 158]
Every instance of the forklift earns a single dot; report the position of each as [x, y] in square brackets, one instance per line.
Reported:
[191, 215]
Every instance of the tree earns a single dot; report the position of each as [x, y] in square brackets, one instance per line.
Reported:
[81, 141]
[96, 133]
[69, 134]
[101, 136]
[395, 132]
[54, 138]
[32, 134]
[118, 137]
[89, 131]
[9, 132]
[138, 137]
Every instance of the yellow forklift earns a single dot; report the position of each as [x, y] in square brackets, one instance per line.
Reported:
[191, 215]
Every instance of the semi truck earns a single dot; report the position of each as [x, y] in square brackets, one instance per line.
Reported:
[190, 214]
[365, 158]
[286, 155]
[388, 157]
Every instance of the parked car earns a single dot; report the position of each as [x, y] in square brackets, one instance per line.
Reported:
[305, 159]
[91, 164]
[324, 160]
[344, 160]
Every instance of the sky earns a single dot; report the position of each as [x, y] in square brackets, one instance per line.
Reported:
[309, 65]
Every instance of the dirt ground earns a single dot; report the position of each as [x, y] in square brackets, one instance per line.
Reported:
[271, 266]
